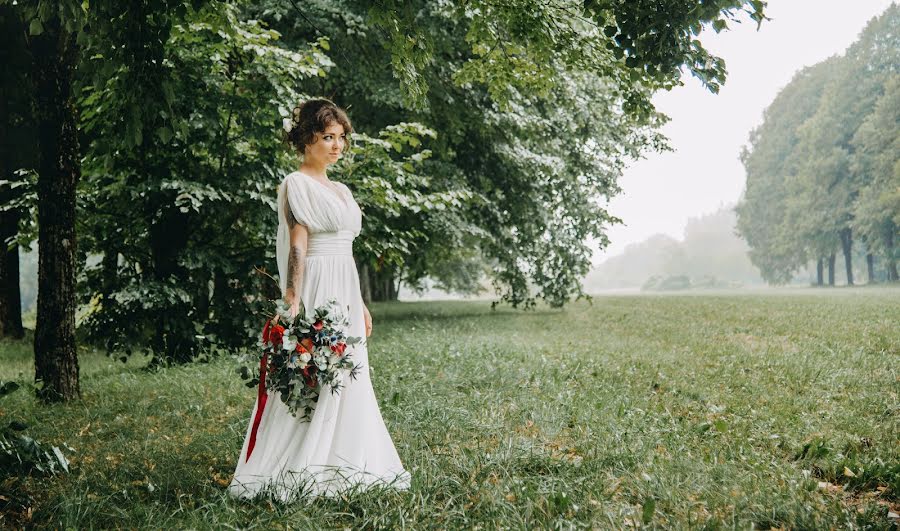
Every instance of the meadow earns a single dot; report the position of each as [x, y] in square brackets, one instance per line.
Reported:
[703, 411]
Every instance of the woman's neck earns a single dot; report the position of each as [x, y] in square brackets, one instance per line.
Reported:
[313, 170]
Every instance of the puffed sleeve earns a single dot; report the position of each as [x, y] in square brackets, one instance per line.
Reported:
[293, 206]
[294, 202]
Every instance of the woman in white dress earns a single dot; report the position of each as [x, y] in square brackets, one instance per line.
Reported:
[345, 445]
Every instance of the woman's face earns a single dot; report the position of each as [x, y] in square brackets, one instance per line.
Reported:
[328, 146]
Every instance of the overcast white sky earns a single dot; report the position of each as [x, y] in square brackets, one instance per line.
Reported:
[707, 130]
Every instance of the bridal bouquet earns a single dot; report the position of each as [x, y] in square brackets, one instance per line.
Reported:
[301, 359]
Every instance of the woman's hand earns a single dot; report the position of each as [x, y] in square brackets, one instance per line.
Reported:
[368, 319]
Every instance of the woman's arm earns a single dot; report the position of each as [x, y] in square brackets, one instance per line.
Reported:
[296, 265]
[368, 318]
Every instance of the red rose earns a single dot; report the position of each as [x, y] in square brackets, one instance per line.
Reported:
[318, 325]
[276, 334]
[309, 375]
[307, 344]
[338, 348]
[265, 332]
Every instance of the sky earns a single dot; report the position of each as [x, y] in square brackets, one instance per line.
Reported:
[662, 191]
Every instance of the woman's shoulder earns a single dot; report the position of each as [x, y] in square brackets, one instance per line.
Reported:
[293, 177]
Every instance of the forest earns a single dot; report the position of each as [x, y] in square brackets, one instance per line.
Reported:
[823, 169]
[142, 150]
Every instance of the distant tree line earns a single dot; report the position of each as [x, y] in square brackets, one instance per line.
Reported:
[823, 169]
[710, 255]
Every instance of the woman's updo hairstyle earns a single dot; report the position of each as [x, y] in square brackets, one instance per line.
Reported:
[311, 117]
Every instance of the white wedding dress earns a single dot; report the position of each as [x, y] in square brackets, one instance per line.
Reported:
[346, 444]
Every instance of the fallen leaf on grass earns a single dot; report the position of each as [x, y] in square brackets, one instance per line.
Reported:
[830, 487]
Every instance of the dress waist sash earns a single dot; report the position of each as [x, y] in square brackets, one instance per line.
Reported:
[338, 243]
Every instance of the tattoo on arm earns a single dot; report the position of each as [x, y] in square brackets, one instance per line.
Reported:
[296, 266]
[296, 255]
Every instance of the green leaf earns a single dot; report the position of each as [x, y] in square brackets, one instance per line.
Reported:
[35, 28]
[8, 387]
[648, 509]
[164, 134]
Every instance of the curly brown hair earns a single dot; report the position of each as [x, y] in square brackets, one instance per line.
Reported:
[313, 116]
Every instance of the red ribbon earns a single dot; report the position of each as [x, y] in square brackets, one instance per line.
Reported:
[261, 398]
[261, 395]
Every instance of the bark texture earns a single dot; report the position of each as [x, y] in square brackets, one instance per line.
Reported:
[55, 353]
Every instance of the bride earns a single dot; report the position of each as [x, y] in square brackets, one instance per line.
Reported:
[345, 445]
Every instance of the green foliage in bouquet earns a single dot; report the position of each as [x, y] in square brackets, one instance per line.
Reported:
[305, 357]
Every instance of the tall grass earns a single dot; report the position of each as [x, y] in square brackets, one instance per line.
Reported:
[722, 411]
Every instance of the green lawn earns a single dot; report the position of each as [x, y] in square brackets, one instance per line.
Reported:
[687, 411]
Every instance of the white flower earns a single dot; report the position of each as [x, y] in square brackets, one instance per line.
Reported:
[287, 124]
[289, 343]
[305, 357]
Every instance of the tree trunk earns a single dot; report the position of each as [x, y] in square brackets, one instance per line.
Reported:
[55, 352]
[890, 264]
[173, 340]
[831, 261]
[109, 268]
[847, 247]
[870, 267]
[365, 282]
[820, 266]
[10, 295]
[382, 284]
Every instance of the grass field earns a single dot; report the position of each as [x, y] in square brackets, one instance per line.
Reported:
[772, 410]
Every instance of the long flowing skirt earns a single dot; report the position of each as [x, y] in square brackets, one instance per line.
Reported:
[346, 444]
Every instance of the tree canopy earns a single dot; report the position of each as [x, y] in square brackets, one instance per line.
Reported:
[819, 176]
[488, 133]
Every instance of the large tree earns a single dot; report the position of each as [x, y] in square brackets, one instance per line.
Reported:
[17, 152]
[877, 209]
[176, 197]
[55, 50]
[825, 139]
[767, 215]
[58, 33]
[537, 106]
[814, 165]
